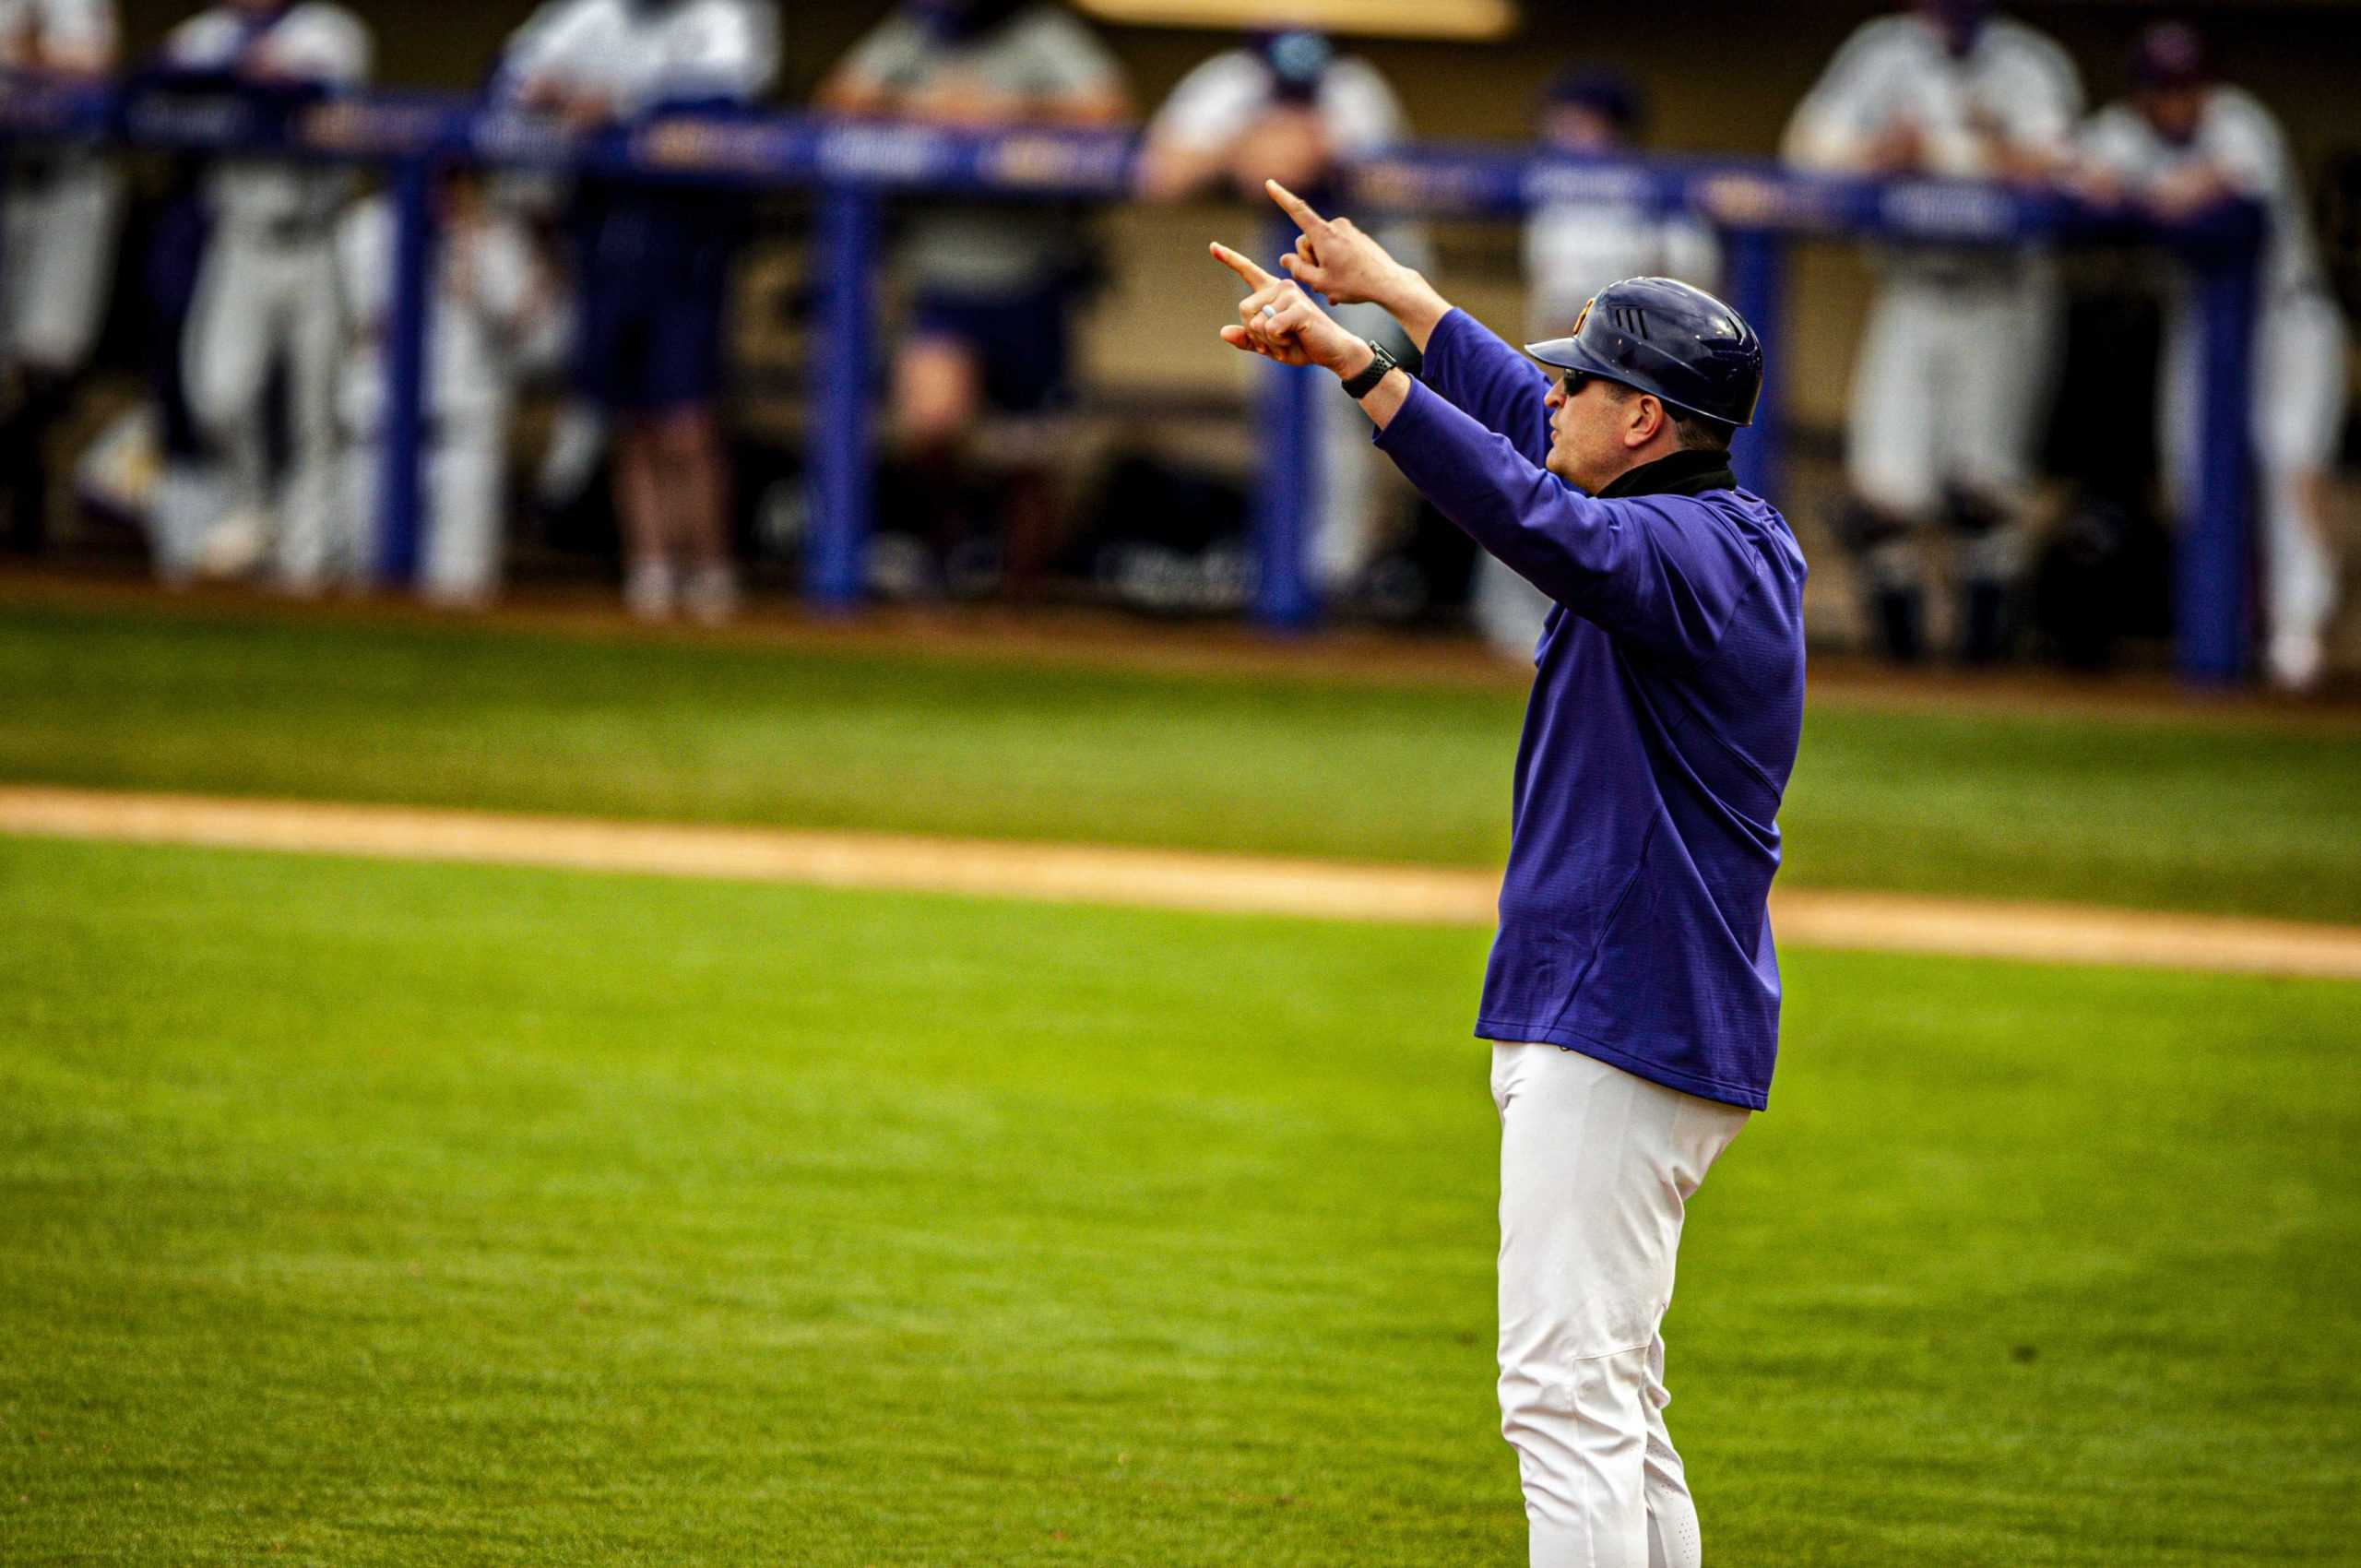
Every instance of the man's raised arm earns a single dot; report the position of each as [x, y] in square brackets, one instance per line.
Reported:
[1465, 360]
[1667, 580]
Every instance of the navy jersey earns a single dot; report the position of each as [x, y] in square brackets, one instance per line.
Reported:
[1664, 721]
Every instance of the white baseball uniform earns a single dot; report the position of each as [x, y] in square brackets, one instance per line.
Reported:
[639, 55]
[269, 288]
[57, 255]
[1209, 110]
[2299, 364]
[486, 297]
[1960, 353]
[1572, 249]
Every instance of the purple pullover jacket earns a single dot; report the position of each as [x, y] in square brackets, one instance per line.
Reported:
[1663, 724]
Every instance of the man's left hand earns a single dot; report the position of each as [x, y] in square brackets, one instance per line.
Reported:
[1279, 322]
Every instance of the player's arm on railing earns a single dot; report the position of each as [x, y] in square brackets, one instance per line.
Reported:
[1465, 362]
[875, 75]
[896, 71]
[1083, 83]
[1192, 137]
[1854, 121]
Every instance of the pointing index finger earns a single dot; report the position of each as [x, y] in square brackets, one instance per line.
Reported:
[1253, 275]
[1295, 206]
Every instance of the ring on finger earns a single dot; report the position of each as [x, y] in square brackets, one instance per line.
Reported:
[1269, 311]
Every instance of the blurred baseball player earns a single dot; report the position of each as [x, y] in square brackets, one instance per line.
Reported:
[1955, 368]
[993, 286]
[490, 295]
[1573, 248]
[56, 253]
[267, 293]
[1634, 991]
[652, 357]
[2183, 143]
[1288, 107]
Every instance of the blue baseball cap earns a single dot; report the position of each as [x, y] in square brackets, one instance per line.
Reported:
[1669, 339]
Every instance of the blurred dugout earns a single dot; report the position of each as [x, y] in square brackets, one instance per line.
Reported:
[1571, 250]
[993, 288]
[1288, 106]
[2180, 143]
[266, 300]
[652, 267]
[56, 253]
[986, 409]
[497, 310]
[1950, 392]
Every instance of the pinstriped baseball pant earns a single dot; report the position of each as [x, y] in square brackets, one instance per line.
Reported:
[1596, 1168]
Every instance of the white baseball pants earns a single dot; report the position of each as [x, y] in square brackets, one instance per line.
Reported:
[2300, 385]
[1951, 390]
[258, 298]
[1597, 1166]
[58, 264]
[459, 547]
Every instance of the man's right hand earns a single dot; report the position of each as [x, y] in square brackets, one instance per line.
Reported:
[1333, 256]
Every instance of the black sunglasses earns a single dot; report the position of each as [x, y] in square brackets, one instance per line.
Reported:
[1574, 382]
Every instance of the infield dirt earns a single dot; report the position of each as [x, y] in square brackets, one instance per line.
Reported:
[1151, 878]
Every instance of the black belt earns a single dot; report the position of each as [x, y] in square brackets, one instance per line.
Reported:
[34, 173]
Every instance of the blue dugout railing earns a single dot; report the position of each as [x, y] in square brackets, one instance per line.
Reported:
[853, 167]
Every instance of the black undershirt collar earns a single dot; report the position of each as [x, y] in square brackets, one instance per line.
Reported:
[1683, 473]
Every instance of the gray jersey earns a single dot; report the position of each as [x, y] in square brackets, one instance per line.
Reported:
[1044, 55]
[313, 41]
[2238, 140]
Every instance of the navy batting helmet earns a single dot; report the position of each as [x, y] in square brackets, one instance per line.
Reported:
[1670, 340]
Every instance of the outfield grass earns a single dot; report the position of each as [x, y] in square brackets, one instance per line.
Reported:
[2203, 813]
[397, 1214]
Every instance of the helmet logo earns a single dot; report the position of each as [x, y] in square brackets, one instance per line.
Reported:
[1586, 315]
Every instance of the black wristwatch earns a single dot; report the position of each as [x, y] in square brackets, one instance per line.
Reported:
[1364, 384]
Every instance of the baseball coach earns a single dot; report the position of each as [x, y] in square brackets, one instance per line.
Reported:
[1632, 994]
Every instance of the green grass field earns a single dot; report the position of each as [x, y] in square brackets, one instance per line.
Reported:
[357, 1214]
[2205, 812]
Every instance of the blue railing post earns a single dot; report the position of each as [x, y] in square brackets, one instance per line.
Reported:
[840, 485]
[8, 147]
[1287, 498]
[402, 485]
[2211, 625]
[1758, 265]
